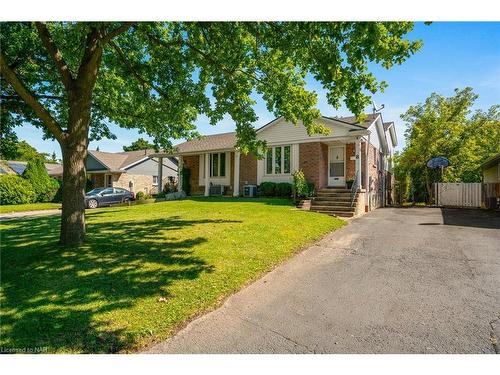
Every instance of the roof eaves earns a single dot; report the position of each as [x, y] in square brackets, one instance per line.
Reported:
[356, 124]
[495, 159]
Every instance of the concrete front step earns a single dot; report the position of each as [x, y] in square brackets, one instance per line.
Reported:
[334, 191]
[334, 195]
[333, 208]
[332, 204]
[335, 213]
[329, 199]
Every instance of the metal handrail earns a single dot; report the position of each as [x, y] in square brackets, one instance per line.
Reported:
[354, 189]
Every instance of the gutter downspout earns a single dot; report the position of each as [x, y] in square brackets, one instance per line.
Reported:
[367, 178]
[384, 175]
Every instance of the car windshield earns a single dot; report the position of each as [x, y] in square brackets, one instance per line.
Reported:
[95, 191]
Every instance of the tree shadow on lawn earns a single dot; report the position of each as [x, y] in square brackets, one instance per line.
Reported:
[50, 293]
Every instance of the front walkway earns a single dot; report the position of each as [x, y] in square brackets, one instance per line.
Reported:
[416, 280]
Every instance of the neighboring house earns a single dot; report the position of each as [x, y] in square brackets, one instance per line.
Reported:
[18, 167]
[352, 151]
[132, 170]
[491, 182]
[491, 170]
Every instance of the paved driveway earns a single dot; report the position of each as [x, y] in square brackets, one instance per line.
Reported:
[416, 280]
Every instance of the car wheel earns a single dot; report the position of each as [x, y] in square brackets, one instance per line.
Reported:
[92, 203]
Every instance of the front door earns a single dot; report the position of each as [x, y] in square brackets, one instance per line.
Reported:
[336, 166]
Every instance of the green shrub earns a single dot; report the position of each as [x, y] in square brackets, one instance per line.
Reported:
[311, 190]
[50, 194]
[15, 190]
[300, 187]
[170, 187]
[186, 186]
[89, 185]
[283, 189]
[267, 189]
[140, 196]
[58, 195]
[45, 188]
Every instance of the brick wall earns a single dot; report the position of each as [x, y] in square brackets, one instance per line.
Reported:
[350, 167]
[375, 177]
[311, 158]
[192, 162]
[323, 166]
[248, 170]
[97, 179]
[140, 182]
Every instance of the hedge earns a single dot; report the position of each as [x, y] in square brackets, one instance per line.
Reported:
[15, 190]
[272, 189]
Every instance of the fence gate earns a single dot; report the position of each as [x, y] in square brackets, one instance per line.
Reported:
[458, 194]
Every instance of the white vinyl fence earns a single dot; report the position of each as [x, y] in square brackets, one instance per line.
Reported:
[458, 194]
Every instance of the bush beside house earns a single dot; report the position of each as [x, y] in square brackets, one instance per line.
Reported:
[35, 185]
[44, 186]
[273, 189]
[15, 190]
[302, 188]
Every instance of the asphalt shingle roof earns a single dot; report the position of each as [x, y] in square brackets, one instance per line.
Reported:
[208, 143]
[370, 117]
[115, 161]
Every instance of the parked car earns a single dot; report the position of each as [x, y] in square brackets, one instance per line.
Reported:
[106, 196]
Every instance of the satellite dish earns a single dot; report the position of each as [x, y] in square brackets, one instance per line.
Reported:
[438, 162]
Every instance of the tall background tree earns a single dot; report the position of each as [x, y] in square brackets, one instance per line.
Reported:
[446, 126]
[72, 79]
[140, 144]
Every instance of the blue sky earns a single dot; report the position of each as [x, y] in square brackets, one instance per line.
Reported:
[454, 55]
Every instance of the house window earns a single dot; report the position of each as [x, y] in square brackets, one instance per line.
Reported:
[278, 160]
[155, 180]
[286, 159]
[218, 165]
[269, 161]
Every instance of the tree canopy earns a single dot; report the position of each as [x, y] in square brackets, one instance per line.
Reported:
[158, 77]
[140, 144]
[447, 126]
[13, 149]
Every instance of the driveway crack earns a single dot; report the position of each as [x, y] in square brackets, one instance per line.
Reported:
[256, 324]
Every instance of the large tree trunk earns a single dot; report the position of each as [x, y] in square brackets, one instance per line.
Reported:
[73, 193]
[74, 152]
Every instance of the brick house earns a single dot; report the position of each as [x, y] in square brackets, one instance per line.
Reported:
[132, 170]
[353, 153]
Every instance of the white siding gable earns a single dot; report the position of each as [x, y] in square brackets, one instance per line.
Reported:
[284, 132]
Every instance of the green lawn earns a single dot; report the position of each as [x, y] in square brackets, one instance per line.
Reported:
[28, 207]
[144, 271]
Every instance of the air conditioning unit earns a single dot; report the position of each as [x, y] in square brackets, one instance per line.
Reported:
[250, 190]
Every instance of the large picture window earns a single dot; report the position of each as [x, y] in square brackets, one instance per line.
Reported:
[218, 165]
[278, 160]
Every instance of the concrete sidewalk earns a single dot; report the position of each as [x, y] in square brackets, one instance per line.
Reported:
[415, 280]
[28, 214]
